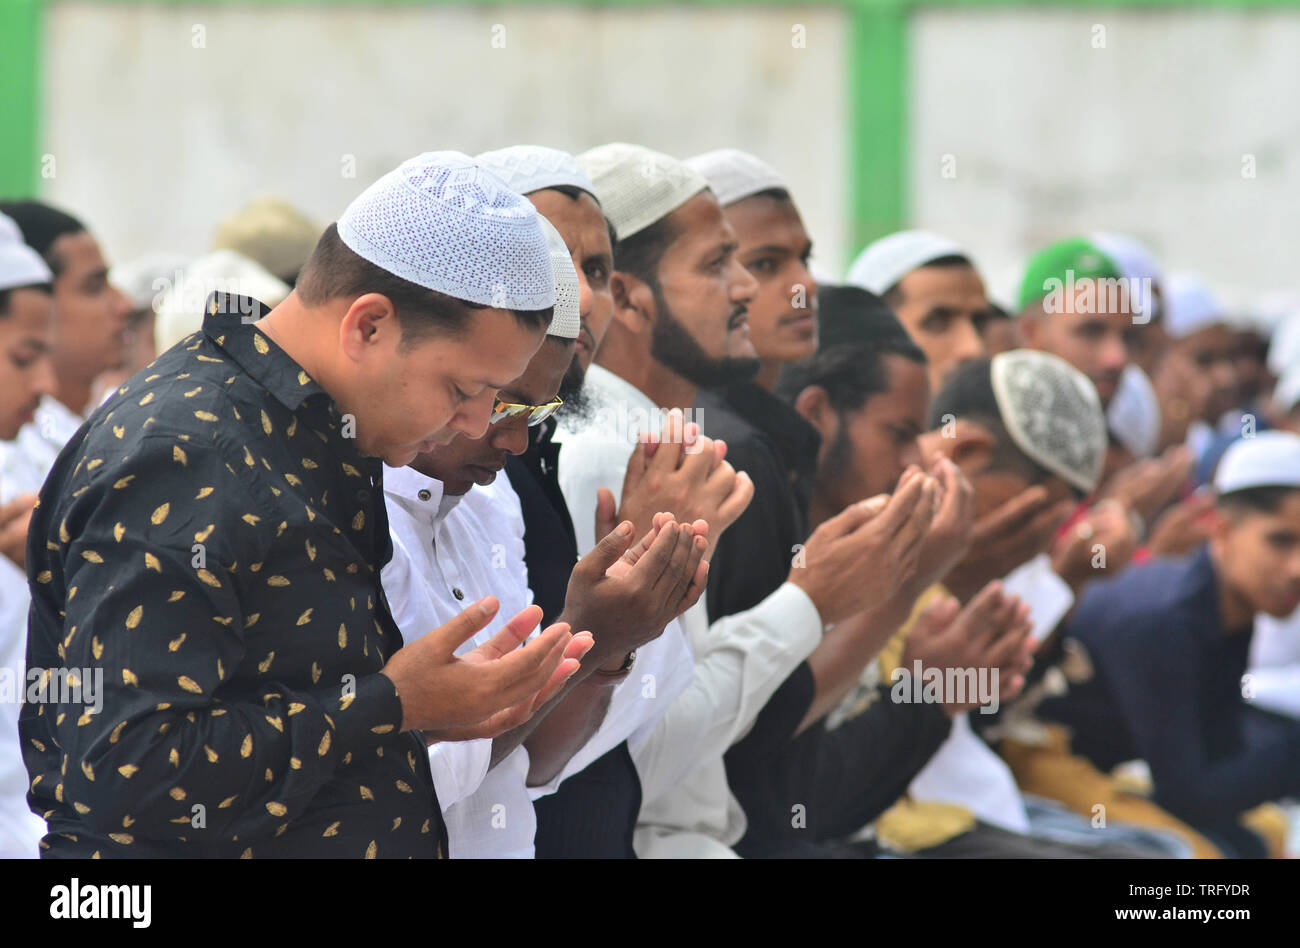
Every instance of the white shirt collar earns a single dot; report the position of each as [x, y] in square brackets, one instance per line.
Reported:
[417, 491]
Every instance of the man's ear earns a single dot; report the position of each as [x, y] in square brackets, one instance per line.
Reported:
[814, 404]
[1219, 527]
[1030, 325]
[634, 302]
[367, 322]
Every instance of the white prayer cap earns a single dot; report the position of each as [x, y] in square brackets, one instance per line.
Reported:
[1189, 306]
[1286, 394]
[1268, 459]
[1136, 264]
[638, 187]
[20, 265]
[145, 279]
[180, 310]
[1134, 413]
[1052, 412]
[1284, 348]
[734, 175]
[883, 263]
[529, 168]
[1273, 311]
[566, 322]
[442, 222]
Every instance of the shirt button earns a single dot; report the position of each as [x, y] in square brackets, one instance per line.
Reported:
[363, 496]
[457, 592]
[424, 495]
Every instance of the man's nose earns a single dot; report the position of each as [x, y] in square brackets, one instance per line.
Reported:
[121, 306]
[744, 287]
[585, 296]
[807, 283]
[511, 435]
[473, 417]
[43, 381]
[1114, 352]
[970, 345]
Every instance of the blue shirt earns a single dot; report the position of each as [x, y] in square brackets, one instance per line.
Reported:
[1166, 688]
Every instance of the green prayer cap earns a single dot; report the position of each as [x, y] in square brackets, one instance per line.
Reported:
[1053, 265]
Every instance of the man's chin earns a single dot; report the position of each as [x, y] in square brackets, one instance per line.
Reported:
[400, 458]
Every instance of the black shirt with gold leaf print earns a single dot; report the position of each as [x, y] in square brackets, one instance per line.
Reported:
[211, 542]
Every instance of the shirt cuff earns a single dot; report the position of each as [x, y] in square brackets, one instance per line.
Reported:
[368, 717]
[794, 609]
[459, 768]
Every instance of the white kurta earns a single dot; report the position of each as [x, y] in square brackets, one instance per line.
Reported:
[591, 456]
[25, 462]
[722, 674]
[447, 554]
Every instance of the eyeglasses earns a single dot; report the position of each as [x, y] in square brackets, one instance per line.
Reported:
[501, 410]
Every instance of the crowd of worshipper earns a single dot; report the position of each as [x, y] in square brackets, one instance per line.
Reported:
[549, 505]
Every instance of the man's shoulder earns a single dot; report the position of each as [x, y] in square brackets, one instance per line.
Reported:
[719, 419]
[1146, 602]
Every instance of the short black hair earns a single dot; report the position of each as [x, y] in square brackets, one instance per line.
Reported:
[5, 295]
[41, 226]
[1255, 499]
[968, 393]
[334, 270]
[851, 373]
[893, 296]
[776, 194]
[641, 253]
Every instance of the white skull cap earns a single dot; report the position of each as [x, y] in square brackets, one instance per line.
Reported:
[1284, 348]
[566, 322]
[1052, 412]
[1136, 264]
[145, 279]
[529, 168]
[1286, 394]
[180, 309]
[444, 223]
[1134, 413]
[886, 261]
[638, 187]
[20, 265]
[1269, 459]
[1190, 306]
[734, 175]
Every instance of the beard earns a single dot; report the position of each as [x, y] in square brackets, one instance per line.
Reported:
[672, 345]
[578, 406]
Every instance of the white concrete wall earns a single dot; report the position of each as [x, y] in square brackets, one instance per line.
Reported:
[1146, 135]
[154, 140]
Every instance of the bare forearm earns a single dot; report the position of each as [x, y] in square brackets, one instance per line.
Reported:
[566, 729]
[562, 725]
[504, 744]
